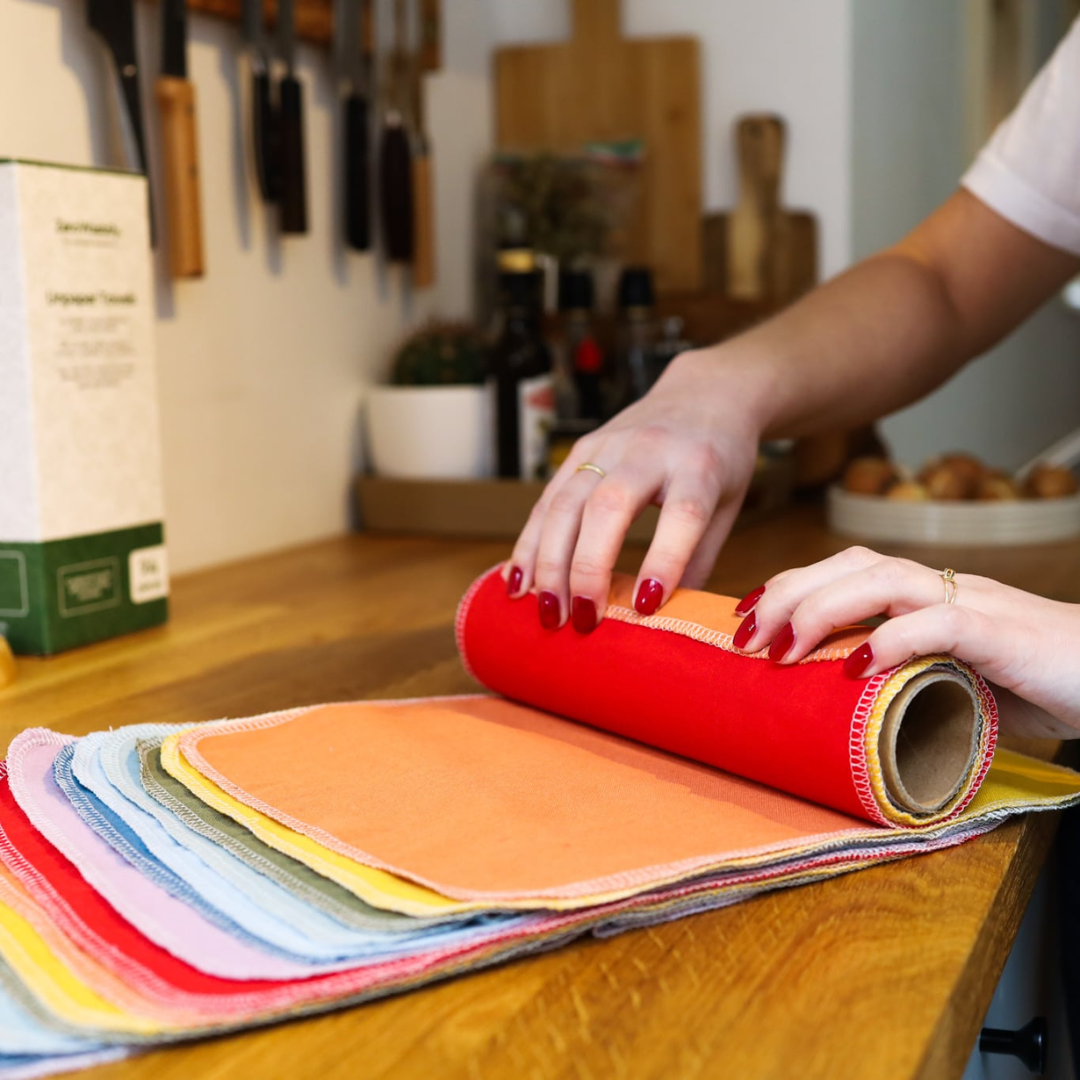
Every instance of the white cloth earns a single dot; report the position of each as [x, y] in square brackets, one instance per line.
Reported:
[1029, 171]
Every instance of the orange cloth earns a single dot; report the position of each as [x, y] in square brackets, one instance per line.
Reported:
[538, 805]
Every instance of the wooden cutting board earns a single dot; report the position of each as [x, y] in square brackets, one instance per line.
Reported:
[602, 86]
[760, 251]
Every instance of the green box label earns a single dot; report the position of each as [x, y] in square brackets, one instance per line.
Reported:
[87, 587]
[62, 593]
[14, 587]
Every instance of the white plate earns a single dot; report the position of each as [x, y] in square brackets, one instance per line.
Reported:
[1024, 521]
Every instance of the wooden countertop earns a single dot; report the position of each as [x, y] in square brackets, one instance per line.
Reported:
[883, 973]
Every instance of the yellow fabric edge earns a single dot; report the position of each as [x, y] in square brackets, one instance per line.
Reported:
[368, 885]
[57, 987]
[379, 888]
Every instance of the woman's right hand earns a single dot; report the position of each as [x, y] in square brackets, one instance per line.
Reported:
[688, 446]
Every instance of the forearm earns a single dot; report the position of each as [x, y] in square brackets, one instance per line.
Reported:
[892, 328]
[870, 341]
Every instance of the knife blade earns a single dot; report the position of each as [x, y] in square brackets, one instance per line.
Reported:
[293, 200]
[264, 128]
[179, 138]
[354, 62]
[114, 22]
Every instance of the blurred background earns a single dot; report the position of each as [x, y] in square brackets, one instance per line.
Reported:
[266, 362]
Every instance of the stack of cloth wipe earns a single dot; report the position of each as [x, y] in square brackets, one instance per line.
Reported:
[161, 883]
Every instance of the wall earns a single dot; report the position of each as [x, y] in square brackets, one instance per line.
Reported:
[263, 362]
[909, 139]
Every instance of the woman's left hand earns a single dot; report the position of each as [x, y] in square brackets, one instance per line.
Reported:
[1024, 643]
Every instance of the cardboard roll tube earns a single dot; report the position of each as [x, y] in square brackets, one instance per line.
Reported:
[928, 746]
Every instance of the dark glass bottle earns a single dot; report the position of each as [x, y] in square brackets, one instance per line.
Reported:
[635, 355]
[583, 359]
[521, 370]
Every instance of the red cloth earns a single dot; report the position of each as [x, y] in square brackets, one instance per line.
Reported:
[786, 726]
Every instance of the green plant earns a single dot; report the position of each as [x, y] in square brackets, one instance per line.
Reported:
[552, 204]
[440, 354]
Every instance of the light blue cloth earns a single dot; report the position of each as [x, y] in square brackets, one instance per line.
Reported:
[111, 828]
[24, 1036]
[106, 767]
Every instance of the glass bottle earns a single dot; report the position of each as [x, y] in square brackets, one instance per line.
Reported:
[521, 374]
[635, 359]
[582, 356]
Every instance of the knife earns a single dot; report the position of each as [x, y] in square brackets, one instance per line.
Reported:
[114, 20]
[264, 133]
[353, 51]
[395, 154]
[423, 182]
[293, 198]
[176, 101]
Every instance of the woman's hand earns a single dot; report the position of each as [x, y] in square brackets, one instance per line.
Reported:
[689, 445]
[1026, 644]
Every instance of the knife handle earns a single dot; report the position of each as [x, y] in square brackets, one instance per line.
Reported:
[264, 130]
[183, 208]
[423, 221]
[129, 88]
[357, 173]
[293, 200]
[396, 192]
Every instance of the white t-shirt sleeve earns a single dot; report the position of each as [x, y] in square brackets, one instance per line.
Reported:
[1029, 171]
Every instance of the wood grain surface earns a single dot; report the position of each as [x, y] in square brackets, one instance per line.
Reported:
[883, 973]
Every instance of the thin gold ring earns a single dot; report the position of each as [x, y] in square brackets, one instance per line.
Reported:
[591, 468]
[948, 575]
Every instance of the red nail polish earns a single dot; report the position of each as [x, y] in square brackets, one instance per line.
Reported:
[782, 643]
[650, 595]
[549, 610]
[858, 661]
[583, 614]
[747, 629]
[514, 580]
[746, 604]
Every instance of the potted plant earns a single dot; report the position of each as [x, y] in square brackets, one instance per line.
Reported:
[434, 420]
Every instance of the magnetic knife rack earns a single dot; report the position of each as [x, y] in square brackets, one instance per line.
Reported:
[314, 22]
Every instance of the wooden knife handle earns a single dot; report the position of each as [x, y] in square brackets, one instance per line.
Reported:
[423, 222]
[183, 206]
[293, 199]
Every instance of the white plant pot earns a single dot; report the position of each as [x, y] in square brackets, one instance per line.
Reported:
[431, 432]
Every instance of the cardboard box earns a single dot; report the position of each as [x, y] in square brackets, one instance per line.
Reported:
[82, 553]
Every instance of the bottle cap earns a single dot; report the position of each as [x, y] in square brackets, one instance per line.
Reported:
[516, 260]
[575, 290]
[636, 287]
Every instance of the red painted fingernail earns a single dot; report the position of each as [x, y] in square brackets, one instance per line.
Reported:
[858, 661]
[513, 582]
[746, 604]
[549, 610]
[583, 614]
[782, 643]
[747, 629]
[650, 595]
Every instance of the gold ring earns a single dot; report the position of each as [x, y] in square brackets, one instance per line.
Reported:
[948, 575]
[591, 468]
